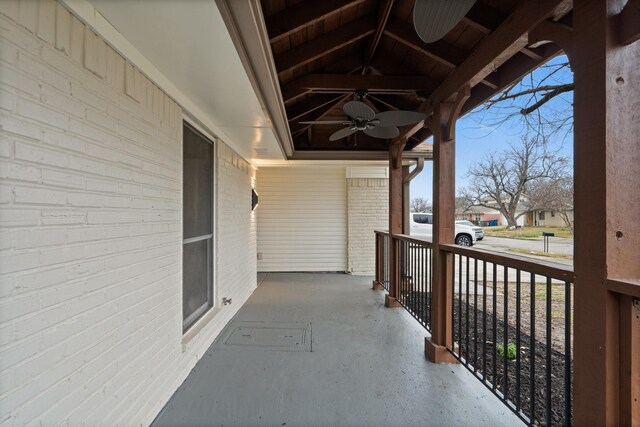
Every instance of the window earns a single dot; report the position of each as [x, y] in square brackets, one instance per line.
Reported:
[478, 217]
[541, 215]
[197, 231]
[422, 219]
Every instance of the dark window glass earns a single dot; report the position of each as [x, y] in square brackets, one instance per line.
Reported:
[422, 219]
[195, 287]
[197, 255]
[198, 183]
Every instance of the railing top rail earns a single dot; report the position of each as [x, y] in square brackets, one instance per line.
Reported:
[413, 239]
[554, 271]
[382, 232]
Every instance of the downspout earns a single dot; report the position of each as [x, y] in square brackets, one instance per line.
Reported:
[406, 180]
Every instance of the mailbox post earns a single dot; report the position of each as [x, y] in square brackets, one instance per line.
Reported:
[546, 236]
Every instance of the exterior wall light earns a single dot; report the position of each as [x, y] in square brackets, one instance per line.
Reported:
[254, 199]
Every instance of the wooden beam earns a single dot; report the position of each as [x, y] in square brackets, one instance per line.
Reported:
[349, 65]
[497, 47]
[374, 84]
[383, 17]
[440, 51]
[303, 108]
[304, 14]
[325, 44]
[486, 19]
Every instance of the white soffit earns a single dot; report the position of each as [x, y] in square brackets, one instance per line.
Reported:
[188, 43]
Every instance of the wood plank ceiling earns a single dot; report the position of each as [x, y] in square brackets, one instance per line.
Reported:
[325, 50]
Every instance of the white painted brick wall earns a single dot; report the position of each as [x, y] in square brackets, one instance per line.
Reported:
[368, 210]
[91, 229]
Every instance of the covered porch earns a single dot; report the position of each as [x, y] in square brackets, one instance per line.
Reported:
[365, 366]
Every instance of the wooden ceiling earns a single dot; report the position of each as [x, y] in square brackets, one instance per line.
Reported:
[326, 49]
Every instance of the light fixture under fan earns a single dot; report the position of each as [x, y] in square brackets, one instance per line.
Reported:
[361, 117]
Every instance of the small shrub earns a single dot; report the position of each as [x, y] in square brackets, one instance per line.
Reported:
[511, 351]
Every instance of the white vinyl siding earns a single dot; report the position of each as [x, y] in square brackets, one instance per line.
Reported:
[302, 219]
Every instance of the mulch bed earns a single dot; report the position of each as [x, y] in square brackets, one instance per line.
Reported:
[476, 340]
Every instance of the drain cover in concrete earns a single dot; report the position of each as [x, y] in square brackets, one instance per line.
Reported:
[266, 336]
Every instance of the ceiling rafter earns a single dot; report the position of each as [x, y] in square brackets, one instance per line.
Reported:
[298, 128]
[374, 84]
[325, 44]
[352, 64]
[440, 51]
[397, 103]
[383, 17]
[304, 14]
[303, 108]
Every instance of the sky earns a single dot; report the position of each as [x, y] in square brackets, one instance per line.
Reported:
[479, 135]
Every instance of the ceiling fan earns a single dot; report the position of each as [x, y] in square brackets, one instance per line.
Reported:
[361, 117]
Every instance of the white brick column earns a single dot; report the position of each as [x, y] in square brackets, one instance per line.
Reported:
[368, 210]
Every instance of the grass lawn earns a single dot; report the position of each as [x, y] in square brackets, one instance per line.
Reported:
[540, 253]
[526, 232]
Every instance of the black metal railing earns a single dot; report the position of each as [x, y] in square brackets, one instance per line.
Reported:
[382, 259]
[511, 327]
[415, 261]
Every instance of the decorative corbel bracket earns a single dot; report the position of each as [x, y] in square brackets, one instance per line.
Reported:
[395, 150]
[452, 112]
[552, 32]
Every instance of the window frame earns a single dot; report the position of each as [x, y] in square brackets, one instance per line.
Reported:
[192, 320]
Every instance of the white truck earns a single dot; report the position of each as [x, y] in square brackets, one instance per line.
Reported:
[422, 227]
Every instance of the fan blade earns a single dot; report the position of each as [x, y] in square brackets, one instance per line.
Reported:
[385, 132]
[399, 118]
[434, 19]
[326, 122]
[342, 133]
[358, 109]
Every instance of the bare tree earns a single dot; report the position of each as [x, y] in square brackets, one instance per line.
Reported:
[419, 204]
[463, 203]
[554, 195]
[542, 101]
[502, 179]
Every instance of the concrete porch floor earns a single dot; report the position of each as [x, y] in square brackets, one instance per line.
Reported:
[366, 368]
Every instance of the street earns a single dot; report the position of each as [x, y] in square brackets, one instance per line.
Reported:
[557, 245]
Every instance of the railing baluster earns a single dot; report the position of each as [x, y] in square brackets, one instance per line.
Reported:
[532, 351]
[475, 312]
[505, 338]
[495, 327]
[567, 353]
[484, 320]
[460, 305]
[548, 371]
[466, 301]
[518, 340]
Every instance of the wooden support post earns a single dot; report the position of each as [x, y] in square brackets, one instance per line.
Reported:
[443, 128]
[406, 195]
[607, 230]
[395, 220]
